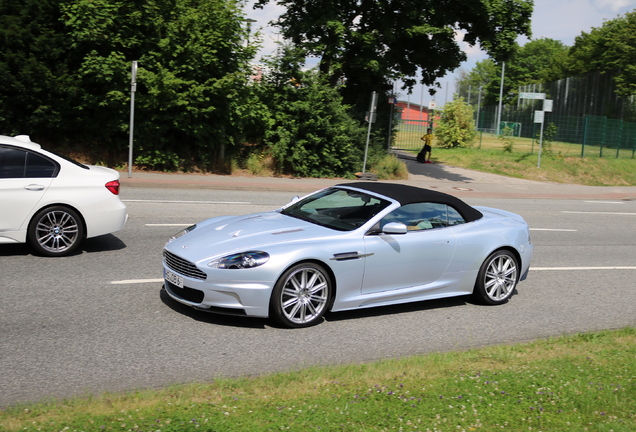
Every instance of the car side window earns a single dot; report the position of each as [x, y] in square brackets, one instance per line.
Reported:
[12, 162]
[39, 166]
[424, 216]
[18, 163]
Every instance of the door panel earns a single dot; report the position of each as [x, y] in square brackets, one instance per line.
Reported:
[412, 259]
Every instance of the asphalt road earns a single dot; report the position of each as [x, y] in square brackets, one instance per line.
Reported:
[98, 321]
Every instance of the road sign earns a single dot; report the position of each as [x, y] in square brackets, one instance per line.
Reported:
[538, 116]
[531, 95]
[547, 105]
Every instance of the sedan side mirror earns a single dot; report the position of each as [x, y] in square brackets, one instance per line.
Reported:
[394, 228]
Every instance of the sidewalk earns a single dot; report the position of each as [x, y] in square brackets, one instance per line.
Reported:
[459, 182]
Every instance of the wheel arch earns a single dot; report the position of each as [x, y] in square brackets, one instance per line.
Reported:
[328, 269]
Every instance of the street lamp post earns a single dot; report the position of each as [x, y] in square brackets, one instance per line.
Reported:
[133, 89]
[501, 86]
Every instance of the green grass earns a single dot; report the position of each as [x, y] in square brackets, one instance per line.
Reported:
[585, 382]
[560, 162]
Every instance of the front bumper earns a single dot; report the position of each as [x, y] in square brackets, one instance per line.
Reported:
[244, 298]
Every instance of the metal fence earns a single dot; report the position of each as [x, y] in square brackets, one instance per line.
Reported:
[409, 134]
[587, 136]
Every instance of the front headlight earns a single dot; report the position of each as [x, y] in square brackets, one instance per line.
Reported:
[242, 260]
[181, 233]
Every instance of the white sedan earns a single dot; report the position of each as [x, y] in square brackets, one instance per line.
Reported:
[52, 202]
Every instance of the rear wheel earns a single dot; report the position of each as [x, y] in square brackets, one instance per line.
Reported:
[497, 278]
[301, 295]
[55, 231]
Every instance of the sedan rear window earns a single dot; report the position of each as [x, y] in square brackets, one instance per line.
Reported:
[18, 163]
[339, 209]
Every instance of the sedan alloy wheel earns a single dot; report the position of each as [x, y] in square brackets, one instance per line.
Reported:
[56, 231]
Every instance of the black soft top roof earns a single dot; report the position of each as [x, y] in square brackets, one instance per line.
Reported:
[405, 194]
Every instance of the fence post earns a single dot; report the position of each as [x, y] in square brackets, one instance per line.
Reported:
[620, 138]
[602, 138]
[585, 123]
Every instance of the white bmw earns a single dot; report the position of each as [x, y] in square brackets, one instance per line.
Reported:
[52, 202]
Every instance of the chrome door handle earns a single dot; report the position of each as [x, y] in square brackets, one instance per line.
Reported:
[34, 187]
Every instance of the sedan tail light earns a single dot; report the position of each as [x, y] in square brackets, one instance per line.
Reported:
[113, 186]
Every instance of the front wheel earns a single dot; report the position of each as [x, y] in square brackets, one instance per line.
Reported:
[55, 231]
[301, 295]
[497, 278]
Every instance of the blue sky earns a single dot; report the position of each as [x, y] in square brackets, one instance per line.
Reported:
[562, 20]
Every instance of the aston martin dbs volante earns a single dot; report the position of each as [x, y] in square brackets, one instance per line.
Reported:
[354, 245]
[53, 202]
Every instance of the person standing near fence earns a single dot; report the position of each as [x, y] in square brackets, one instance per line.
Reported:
[428, 142]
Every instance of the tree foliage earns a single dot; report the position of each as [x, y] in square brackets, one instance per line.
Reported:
[457, 126]
[370, 43]
[192, 101]
[609, 47]
[33, 54]
[311, 133]
[540, 60]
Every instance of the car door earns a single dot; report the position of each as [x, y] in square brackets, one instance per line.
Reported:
[417, 258]
[24, 179]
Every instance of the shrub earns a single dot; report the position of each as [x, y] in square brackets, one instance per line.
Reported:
[390, 167]
[457, 126]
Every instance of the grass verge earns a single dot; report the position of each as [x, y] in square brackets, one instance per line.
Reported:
[559, 163]
[585, 382]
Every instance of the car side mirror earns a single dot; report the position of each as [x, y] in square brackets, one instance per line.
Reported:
[394, 228]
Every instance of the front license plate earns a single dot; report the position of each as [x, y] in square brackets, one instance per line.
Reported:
[174, 279]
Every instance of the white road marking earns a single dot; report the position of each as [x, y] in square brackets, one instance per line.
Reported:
[552, 229]
[603, 213]
[582, 268]
[169, 225]
[188, 202]
[605, 202]
[135, 281]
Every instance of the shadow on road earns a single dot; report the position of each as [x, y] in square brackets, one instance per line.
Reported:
[399, 308]
[433, 170]
[105, 243]
[211, 318]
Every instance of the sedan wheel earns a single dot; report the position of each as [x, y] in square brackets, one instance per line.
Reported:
[55, 231]
[497, 278]
[301, 296]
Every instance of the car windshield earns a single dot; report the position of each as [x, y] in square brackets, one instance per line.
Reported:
[338, 209]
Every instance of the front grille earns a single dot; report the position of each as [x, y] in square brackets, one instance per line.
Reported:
[183, 267]
[189, 294]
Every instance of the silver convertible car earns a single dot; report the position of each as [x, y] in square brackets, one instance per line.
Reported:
[354, 245]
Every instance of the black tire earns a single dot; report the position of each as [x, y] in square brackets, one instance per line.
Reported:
[497, 278]
[301, 296]
[55, 231]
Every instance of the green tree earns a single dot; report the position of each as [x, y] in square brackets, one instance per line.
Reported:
[478, 78]
[609, 47]
[192, 92]
[66, 68]
[457, 126]
[540, 60]
[369, 43]
[311, 133]
[33, 54]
